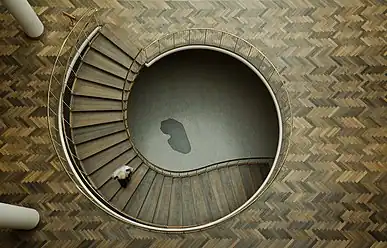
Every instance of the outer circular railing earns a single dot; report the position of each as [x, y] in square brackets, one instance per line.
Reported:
[62, 72]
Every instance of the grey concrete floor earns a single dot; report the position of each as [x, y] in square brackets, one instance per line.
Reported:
[197, 107]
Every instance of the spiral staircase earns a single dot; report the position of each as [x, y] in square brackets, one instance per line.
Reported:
[88, 125]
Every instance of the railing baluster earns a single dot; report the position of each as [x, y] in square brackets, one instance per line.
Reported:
[220, 41]
[205, 36]
[236, 43]
[174, 42]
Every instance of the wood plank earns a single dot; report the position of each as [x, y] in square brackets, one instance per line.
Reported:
[80, 103]
[89, 88]
[230, 193]
[175, 216]
[149, 207]
[256, 175]
[109, 189]
[137, 200]
[247, 180]
[102, 175]
[83, 119]
[84, 134]
[189, 216]
[98, 160]
[125, 194]
[117, 37]
[162, 209]
[219, 193]
[111, 50]
[203, 214]
[92, 147]
[100, 61]
[210, 197]
[93, 74]
[238, 187]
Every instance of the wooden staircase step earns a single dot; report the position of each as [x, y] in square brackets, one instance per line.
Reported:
[91, 89]
[111, 50]
[137, 200]
[84, 134]
[238, 187]
[102, 175]
[83, 104]
[189, 216]
[100, 61]
[92, 147]
[203, 214]
[219, 191]
[149, 207]
[93, 74]
[175, 216]
[83, 119]
[162, 209]
[119, 39]
[125, 195]
[210, 197]
[247, 179]
[110, 189]
[231, 194]
[95, 162]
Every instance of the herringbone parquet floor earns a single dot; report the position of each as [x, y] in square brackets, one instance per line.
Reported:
[332, 189]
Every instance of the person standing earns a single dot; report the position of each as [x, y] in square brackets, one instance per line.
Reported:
[123, 175]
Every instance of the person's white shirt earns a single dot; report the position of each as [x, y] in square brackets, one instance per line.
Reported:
[122, 172]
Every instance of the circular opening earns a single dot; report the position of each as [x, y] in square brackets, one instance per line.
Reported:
[198, 107]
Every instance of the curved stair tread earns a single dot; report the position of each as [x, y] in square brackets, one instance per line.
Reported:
[103, 174]
[219, 192]
[148, 208]
[238, 187]
[175, 216]
[162, 209]
[100, 61]
[91, 89]
[210, 197]
[189, 215]
[83, 119]
[83, 104]
[136, 201]
[125, 194]
[110, 189]
[120, 39]
[84, 134]
[231, 195]
[109, 49]
[92, 147]
[247, 180]
[93, 74]
[98, 160]
[203, 214]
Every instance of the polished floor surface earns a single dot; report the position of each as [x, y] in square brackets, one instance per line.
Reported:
[331, 191]
[199, 107]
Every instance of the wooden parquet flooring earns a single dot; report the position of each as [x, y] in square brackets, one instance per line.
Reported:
[332, 189]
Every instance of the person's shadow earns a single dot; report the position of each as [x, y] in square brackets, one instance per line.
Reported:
[178, 139]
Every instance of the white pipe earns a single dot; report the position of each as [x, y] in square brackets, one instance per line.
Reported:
[22, 11]
[16, 217]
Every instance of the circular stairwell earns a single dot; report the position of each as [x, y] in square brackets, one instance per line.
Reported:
[98, 139]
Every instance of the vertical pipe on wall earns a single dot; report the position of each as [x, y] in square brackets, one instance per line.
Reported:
[16, 217]
[22, 11]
